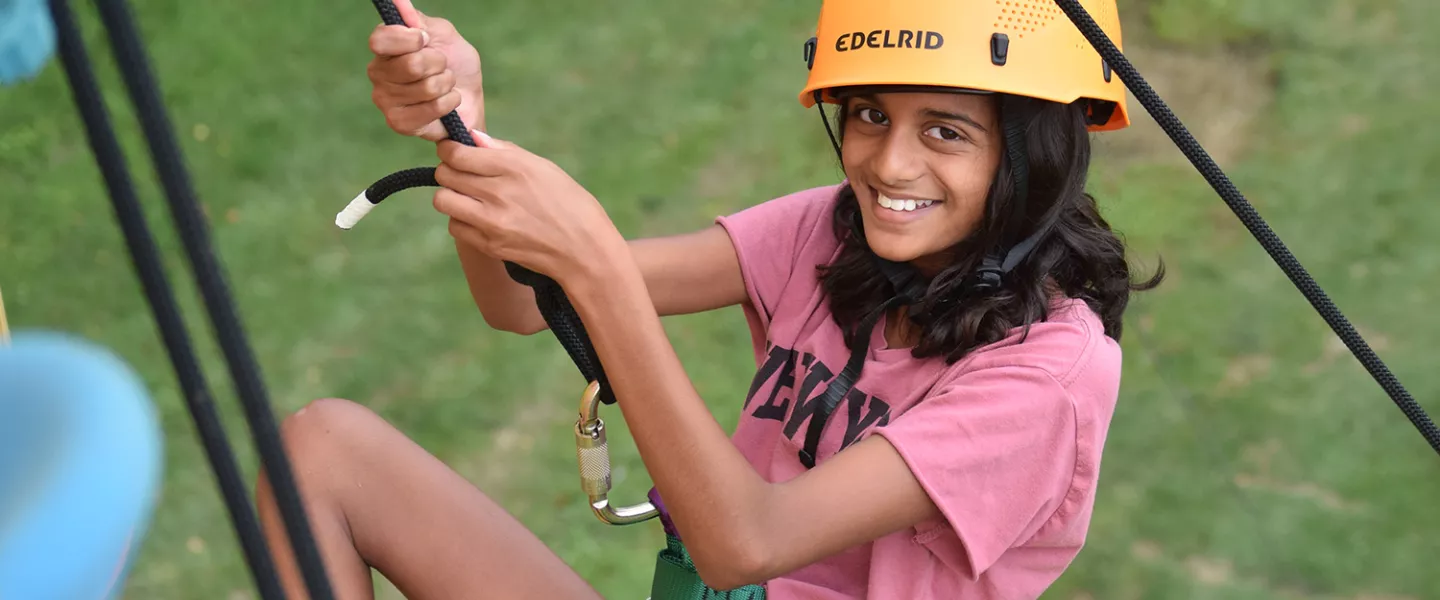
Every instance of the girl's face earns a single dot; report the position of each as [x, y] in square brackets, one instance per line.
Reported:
[921, 165]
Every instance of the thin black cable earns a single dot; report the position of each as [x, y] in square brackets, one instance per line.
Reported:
[550, 298]
[1247, 215]
[151, 272]
[190, 223]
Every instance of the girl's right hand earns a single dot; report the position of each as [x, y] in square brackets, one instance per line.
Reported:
[422, 72]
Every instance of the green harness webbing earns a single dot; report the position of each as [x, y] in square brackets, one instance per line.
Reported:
[677, 579]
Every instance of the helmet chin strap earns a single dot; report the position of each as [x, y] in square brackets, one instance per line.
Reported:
[1006, 253]
[835, 143]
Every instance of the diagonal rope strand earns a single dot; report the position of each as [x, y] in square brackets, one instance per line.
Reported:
[1252, 220]
[209, 274]
[146, 259]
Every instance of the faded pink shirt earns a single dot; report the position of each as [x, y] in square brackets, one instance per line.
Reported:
[1006, 441]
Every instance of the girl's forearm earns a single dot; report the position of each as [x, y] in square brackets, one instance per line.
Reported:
[504, 303]
[712, 492]
[683, 273]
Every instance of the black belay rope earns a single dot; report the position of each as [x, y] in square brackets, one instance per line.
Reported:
[1187, 144]
[550, 298]
[189, 219]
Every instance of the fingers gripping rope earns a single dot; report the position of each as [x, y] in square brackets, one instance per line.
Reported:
[408, 178]
[1247, 215]
[551, 300]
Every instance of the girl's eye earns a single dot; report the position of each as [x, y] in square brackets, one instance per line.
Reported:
[872, 116]
[947, 134]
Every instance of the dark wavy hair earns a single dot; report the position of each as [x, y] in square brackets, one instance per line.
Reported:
[1079, 257]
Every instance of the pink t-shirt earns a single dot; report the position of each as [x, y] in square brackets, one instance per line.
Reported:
[1006, 441]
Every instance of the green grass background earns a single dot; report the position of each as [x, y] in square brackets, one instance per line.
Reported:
[1251, 456]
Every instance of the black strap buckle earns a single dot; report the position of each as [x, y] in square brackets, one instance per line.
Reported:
[988, 276]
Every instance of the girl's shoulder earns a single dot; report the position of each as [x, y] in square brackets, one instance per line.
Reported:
[798, 214]
[1069, 345]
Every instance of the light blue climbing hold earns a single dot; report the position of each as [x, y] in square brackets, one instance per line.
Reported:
[81, 454]
[27, 39]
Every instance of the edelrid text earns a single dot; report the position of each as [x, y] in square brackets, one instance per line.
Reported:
[889, 38]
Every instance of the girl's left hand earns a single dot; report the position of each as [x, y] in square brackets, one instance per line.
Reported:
[518, 207]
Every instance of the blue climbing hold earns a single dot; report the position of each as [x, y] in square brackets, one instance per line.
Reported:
[81, 460]
[27, 39]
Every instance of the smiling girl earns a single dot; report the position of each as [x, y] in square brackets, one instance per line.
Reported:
[935, 336]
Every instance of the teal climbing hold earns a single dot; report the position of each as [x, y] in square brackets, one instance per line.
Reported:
[81, 466]
[27, 39]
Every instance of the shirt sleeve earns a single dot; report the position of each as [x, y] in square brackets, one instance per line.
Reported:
[769, 238]
[995, 450]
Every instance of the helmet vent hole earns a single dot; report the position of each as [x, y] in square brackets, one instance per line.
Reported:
[1032, 15]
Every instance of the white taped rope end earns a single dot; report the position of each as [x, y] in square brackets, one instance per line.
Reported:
[353, 212]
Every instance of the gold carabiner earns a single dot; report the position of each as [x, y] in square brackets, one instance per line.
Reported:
[593, 453]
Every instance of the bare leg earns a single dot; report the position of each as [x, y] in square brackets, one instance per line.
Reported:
[377, 499]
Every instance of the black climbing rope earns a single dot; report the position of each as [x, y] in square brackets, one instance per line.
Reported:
[550, 298]
[1247, 215]
[185, 211]
[152, 276]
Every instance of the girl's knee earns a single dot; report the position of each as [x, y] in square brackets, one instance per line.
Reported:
[325, 410]
[324, 426]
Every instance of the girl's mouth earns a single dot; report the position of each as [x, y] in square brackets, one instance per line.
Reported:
[908, 204]
[900, 210]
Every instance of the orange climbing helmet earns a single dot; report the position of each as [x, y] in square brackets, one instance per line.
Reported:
[1021, 47]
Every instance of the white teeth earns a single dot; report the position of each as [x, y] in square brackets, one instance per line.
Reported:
[902, 205]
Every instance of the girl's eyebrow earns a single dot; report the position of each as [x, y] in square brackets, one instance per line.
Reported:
[941, 114]
[934, 113]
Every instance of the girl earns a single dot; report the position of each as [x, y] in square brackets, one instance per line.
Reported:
[935, 336]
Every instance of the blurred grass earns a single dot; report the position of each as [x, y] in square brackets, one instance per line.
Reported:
[1251, 456]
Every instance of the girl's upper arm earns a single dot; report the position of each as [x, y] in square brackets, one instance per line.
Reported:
[690, 272]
